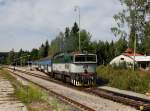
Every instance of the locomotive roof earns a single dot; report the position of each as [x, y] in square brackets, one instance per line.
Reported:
[46, 58]
[73, 53]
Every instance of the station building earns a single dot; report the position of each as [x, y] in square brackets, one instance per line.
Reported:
[142, 61]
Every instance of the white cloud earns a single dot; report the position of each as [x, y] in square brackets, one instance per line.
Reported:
[38, 20]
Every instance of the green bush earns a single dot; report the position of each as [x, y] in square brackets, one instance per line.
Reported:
[0, 68]
[122, 65]
[29, 94]
[124, 78]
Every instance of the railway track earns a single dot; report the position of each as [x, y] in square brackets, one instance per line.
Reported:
[63, 98]
[137, 103]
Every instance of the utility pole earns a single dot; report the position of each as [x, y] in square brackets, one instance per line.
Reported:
[135, 29]
[78, 8]
[134, 51]
[138, 22]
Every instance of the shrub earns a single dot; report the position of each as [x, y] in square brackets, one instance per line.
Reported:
[124, 78]
[122, 65]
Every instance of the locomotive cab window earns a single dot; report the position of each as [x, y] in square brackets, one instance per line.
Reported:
[85, 58]
[79, 58]
[91, 58]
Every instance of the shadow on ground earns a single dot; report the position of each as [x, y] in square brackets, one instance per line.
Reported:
[101, 81]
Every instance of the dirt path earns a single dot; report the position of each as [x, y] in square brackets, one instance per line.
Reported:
[7, 101]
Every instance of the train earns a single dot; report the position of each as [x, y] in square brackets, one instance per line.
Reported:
[79, 69]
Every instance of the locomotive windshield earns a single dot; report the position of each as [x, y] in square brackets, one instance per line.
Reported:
[85, 58]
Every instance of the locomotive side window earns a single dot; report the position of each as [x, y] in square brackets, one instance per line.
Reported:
[68, 59]
[91, 58]
[63, 59]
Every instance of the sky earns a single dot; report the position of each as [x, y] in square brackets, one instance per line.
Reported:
[27, 24]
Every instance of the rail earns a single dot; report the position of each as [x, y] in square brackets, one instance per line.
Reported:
[63, 98]
[135, 102]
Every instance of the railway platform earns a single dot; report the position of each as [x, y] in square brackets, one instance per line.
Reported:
[130, 94]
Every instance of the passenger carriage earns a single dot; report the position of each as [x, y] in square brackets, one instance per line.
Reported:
[45, 65]
[35, 65]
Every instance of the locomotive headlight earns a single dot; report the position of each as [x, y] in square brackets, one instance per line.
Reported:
[85, 71]
[85, 67]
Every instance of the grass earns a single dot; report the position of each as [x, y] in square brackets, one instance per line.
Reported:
[137, 81]
[0, 68]
[34, 97]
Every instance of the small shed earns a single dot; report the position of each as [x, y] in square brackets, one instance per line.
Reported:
[129, 58]
[122, 59]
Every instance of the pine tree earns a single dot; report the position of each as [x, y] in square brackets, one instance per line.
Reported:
[46, 49]
[41, 51]
[11, 57]
[146, 40]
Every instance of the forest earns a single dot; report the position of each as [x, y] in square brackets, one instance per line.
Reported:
[132, 26]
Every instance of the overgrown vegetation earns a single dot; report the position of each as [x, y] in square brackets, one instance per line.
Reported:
[34, 97]
[126, 79]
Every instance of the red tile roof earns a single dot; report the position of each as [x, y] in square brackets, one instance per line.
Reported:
[132, 54]
[128, 50]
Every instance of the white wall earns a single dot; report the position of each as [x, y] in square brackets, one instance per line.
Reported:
[117, 60]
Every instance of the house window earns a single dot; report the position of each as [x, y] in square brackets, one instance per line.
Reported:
[121, 58]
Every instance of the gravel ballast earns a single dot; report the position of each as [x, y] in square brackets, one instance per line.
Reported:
[97, 103]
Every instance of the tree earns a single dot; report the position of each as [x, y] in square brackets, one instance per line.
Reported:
[34, 54]
[46, 49]
[146, 40]
[11, 57]
[75, 28]
[57, 45]
[67, 39]
[72, 39]
[20, 53]
[102, 50]
[41, 51]
[85, 38]
[112, 50]
[120, 46]
[3, 57]
[134, 16]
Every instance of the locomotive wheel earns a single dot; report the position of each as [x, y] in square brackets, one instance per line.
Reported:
[73, 80]
[64, 78]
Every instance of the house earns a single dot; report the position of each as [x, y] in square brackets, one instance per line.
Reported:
[128, 57]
